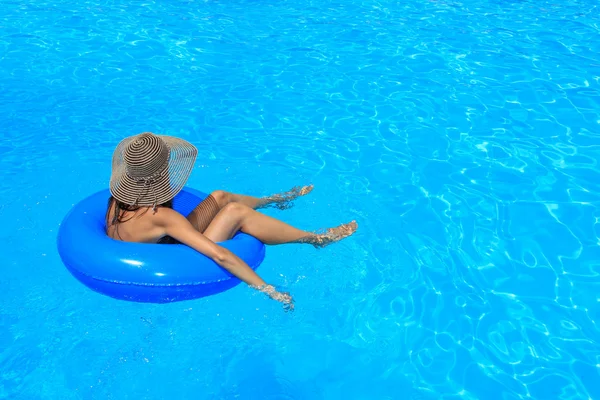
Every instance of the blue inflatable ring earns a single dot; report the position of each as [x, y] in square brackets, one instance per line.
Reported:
[143, 272]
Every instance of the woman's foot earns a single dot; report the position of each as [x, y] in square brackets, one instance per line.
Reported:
[331, 235]
[284, 200]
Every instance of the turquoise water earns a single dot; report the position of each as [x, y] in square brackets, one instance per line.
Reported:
[463, 137]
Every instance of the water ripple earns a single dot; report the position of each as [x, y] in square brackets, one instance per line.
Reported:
[463, 135]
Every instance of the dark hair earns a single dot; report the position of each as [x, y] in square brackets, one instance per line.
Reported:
[120, 209]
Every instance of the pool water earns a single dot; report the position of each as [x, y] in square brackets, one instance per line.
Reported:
[463, 136]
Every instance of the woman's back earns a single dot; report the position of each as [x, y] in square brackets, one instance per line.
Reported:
[137, 225]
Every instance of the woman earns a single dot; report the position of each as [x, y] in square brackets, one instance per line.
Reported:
[149, 170]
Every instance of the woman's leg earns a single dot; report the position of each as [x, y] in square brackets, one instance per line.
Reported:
[280, 200]
[203, 214]
[237, 216]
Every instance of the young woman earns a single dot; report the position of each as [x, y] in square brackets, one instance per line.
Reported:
[148, 170]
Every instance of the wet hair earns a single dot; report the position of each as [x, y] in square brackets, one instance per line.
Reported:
[121, 208]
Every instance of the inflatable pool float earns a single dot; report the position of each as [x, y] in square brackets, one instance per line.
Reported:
[144, 272]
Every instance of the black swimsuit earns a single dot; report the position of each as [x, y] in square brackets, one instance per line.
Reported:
[167, 240]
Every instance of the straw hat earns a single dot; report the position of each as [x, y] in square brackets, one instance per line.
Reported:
[149, 169]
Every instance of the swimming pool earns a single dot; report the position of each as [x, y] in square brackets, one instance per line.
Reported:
[462, 136]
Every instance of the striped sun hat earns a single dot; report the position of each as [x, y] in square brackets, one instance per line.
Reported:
[149, 169]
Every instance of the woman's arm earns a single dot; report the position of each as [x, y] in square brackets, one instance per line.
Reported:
[179, 228]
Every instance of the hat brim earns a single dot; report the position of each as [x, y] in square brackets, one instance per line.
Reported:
[163, 187]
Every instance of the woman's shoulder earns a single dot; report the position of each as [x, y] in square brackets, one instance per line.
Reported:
[163, 215]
